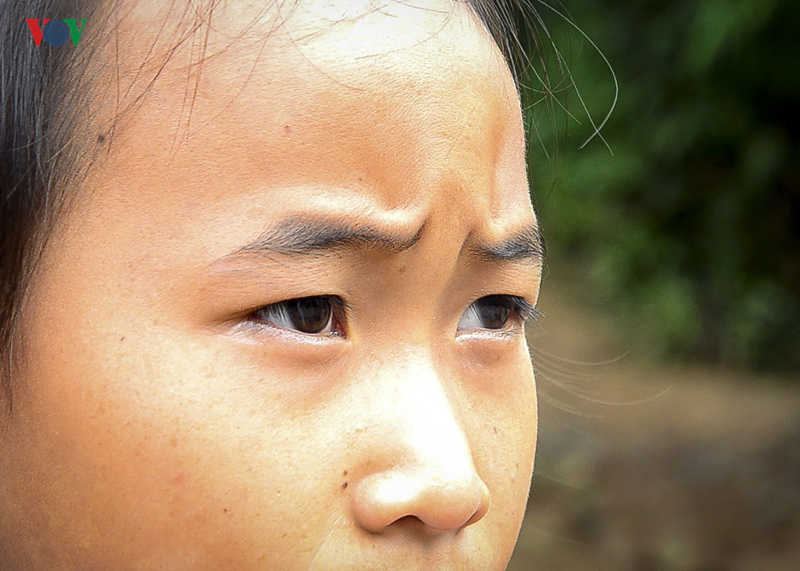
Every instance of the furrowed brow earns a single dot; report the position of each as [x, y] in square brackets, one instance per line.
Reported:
[308, 236]
[526, 246]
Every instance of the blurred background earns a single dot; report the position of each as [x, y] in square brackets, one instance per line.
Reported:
[668, 355]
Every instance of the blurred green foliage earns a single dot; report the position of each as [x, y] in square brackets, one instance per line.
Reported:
[690, 232]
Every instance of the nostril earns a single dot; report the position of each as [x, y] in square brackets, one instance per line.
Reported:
[408, 521]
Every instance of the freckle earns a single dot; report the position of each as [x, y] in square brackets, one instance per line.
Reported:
[344, 473]
[173, 441]
[225, 510]
[495, 429]
[122, 339]
[344, 486]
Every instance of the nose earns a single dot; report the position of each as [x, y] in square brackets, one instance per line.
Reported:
[425, 471]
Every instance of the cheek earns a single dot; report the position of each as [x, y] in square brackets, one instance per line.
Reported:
[503, 427]
[517, 441]
[131, 448]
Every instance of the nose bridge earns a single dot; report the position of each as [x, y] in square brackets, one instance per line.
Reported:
[426, 469]
[412, 398]
[430, 430]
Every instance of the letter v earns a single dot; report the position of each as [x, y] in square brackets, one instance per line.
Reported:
[74, 31]
[36, 31]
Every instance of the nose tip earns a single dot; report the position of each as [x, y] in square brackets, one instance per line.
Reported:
[439, 504]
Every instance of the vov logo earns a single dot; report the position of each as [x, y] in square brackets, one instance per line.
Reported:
[56, 32]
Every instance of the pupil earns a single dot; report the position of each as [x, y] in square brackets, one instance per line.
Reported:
[310, 314]
[494, 312]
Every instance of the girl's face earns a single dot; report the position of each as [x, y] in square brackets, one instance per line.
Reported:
[281, 328]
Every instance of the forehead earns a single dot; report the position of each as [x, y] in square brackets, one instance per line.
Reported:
[382, 102]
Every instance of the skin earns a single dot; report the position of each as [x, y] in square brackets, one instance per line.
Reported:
[158, 425]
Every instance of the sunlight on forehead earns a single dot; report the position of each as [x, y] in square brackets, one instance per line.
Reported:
[387, 28]
[346, 41]
[209, 58]
[339, 10]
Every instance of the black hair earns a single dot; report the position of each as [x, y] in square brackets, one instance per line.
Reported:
[42, 106]
[37, 156]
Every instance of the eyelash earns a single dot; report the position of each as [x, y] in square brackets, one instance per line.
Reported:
[521, 312]
[524, 311]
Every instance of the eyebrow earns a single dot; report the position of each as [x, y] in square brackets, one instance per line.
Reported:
[297, 235]
[308, 236]
[526, 245]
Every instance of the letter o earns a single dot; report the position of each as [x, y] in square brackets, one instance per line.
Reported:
[56, 33]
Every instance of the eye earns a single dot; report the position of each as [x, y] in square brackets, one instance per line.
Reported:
[496, 312]
[315, 315]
